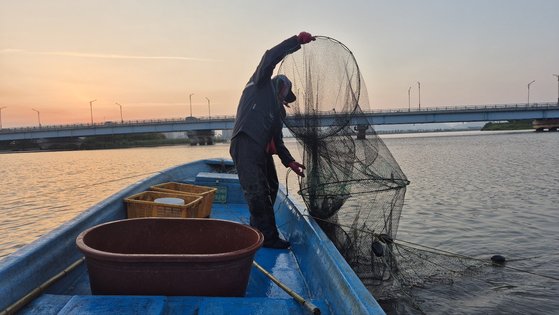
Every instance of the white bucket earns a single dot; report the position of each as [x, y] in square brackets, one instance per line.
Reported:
[170, 201]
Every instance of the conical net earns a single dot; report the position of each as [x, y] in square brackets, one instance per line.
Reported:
[353, 186]
[344, 156]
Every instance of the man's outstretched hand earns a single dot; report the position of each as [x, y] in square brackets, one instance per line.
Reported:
[297, 168]
[305, 38]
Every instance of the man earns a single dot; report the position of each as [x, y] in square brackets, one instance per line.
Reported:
[257, 135]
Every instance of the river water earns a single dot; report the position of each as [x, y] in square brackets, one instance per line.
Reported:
[472, 193]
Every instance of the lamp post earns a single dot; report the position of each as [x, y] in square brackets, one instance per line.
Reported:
[419, 93]
[121, 120]
[38, 116]
[1, 108]
[529, 91]
[91, 110]
[409, 99]
[190, 97]
[557, 75]
[209, 113]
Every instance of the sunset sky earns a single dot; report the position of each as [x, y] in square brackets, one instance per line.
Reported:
[148, 56]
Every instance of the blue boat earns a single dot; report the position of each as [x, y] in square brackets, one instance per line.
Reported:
[49, 276]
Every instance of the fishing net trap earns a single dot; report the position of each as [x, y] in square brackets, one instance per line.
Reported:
[353, 186]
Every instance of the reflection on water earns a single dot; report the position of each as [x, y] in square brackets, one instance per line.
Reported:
[42, 190]
[477, 194]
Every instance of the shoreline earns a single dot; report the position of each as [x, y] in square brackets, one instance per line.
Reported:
[109, 147]
[183, 142]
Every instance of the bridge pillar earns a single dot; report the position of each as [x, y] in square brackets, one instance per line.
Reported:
[201, 137]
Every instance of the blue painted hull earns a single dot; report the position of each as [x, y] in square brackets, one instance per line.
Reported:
[312, 267]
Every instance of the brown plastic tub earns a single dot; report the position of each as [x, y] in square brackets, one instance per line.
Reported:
[169, 256]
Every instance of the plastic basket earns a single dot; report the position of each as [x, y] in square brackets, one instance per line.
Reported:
[142, 205]
[207, 194]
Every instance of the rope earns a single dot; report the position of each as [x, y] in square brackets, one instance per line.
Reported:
[428, 248]
[450, 254]
[287, 182]
[110, 181]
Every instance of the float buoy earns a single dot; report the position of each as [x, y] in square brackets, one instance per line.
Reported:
[498, 260]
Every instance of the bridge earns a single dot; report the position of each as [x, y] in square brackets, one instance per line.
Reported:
[472, 113]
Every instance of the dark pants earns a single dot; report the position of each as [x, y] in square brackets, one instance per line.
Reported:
[259, 180]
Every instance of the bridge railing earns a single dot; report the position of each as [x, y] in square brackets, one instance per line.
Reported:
[542, 105]
[117, 124]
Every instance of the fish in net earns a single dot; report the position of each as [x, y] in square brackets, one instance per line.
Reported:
[354, 187]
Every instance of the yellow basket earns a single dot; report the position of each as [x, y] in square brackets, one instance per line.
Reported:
[142, 205]
[207, 194]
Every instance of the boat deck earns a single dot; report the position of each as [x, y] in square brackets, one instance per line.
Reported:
[73, 296]
[38, 274]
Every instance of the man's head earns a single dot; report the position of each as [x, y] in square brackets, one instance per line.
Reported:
[283, 89]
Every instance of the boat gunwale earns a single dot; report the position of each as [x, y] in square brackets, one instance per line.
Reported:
[347, 291]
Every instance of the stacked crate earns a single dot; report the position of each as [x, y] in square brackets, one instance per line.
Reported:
[198, 201]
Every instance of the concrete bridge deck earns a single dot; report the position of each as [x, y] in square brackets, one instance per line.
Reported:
[475, 113]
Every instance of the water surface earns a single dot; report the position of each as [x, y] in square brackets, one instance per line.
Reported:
[473, 193]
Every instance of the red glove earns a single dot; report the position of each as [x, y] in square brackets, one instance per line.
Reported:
[297, 168]
[305, 38]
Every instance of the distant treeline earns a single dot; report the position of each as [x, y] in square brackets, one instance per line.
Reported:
[19, 145]
[126, 141]
[92, 142]
[509, 125]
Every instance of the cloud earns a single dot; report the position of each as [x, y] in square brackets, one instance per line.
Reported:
[102, 56]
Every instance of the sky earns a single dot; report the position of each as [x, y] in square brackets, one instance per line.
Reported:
[150, 56]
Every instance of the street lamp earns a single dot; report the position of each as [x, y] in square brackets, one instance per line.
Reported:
[1, 108]
[409, 99]
[529, 91]
[91, 109]
[209, 113]
[121, 120]
[419, 93]
[38, 116]
[557, 75]
[190, 97]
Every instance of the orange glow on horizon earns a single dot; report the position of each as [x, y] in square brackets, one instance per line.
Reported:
[58, 56]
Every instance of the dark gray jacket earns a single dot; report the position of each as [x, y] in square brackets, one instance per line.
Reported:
[259, 114]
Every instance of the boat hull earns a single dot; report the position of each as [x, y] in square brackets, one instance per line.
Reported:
[312, 267]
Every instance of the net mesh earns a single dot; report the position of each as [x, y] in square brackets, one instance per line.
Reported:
[353, 184]
[344, 156]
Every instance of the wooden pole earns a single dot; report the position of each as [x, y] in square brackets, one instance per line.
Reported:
[307, 304]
